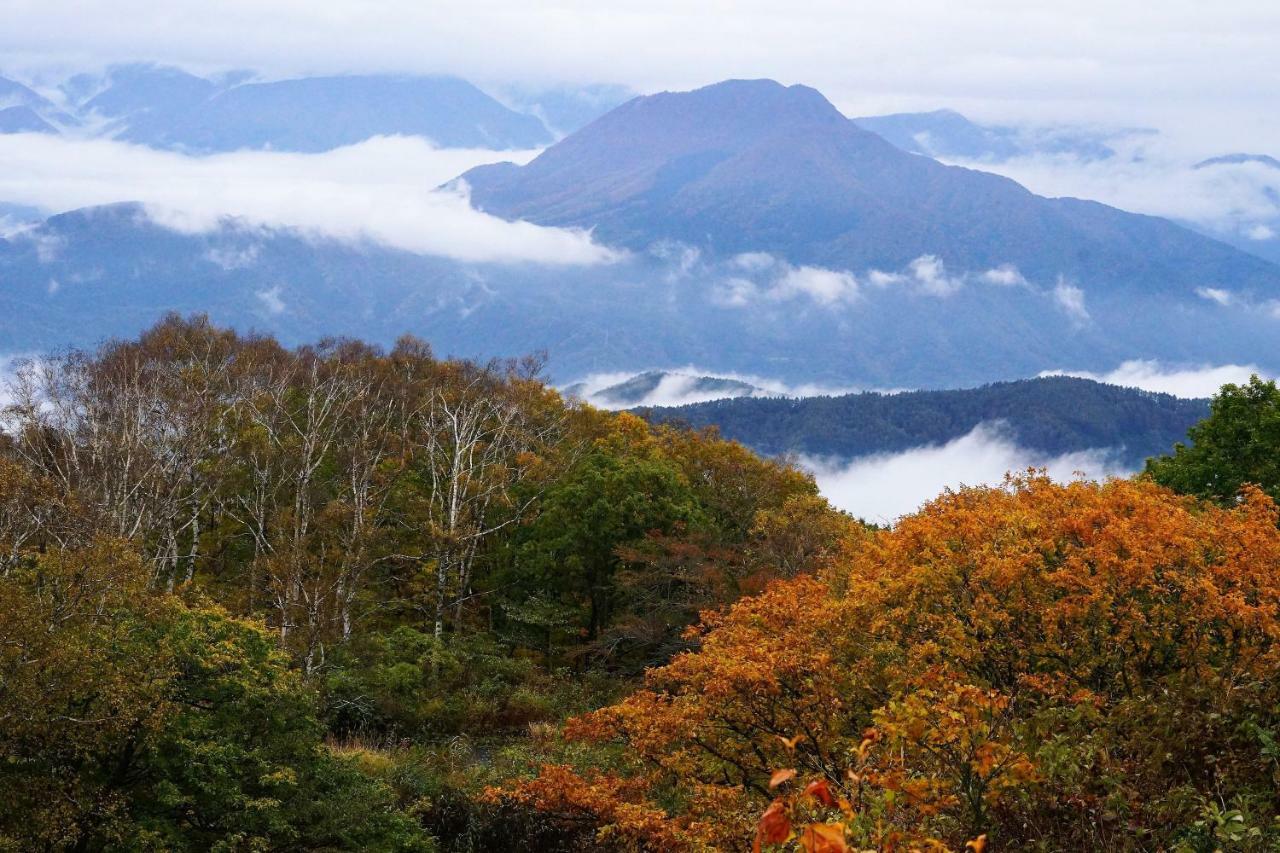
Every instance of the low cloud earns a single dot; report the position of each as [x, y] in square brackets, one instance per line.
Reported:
[1188, 382]
[684, 386]
[1071, 300]
[1156, 175]
[759, 276]
[383, 190]
[1215, 294]
[926, 274]
[826, 287]
[231, 258]
[1227, 299]
[753, 261]
[884, 487]
[1005, 275]
[270, 300]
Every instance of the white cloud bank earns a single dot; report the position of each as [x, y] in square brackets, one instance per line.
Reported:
[884, 487]
[759, 276]
[1156, 175]
[1150, 375]
[382, 190]
[677, 387]
[1205, 66]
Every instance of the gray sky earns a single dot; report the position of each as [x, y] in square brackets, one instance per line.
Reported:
[1188, 66]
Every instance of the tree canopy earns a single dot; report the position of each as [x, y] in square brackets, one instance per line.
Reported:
[1238, 443]
[1060, 667]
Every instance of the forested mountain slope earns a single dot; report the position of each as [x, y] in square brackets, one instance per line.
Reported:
[1053, 415]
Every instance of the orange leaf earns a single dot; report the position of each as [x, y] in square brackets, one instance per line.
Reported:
[978, 844]
[781, 776]
[820, 791]
[823, 838]
[790, 742]
[775, 826]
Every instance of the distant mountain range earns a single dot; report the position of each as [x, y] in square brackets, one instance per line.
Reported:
[23, 110]
[766, 235]
[167, 107]
[23, 120]
[84, 275]
[1051, 416]
[948, 135]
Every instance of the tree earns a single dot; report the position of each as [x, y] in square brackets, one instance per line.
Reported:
[1089, 666]
[138, 721]
[1238, 443]
[480, 438]
[619, 491]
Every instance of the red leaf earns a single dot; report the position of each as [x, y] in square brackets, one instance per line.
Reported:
[820, 791]
[775, 826]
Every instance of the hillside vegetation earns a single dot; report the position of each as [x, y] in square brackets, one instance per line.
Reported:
[341, 598]
[1052, 415]
[230, 570]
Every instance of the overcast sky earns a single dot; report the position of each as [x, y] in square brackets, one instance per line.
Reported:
[1187, 66]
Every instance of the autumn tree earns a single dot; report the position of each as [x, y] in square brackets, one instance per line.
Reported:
[481, 434]
[1075, 667]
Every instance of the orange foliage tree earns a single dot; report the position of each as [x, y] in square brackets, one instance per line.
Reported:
[1083, 666]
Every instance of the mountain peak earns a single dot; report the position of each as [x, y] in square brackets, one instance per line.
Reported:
[755, 166]
[652, 146]
[751, 106]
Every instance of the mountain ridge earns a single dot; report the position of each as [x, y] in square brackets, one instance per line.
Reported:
[1053, 415]
[746, 166]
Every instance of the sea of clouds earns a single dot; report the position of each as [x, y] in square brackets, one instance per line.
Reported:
[884, 487]
[385, 189]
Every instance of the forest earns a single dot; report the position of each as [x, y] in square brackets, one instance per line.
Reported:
[344, 598]
[1052, 414]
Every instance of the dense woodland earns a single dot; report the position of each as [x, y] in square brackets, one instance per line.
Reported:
[340, 598]
[1053, 415]
[232, 570]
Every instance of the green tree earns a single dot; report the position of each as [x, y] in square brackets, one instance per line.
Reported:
[622, 489]
[1238, 443]
[136, 721]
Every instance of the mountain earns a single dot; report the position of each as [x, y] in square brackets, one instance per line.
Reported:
[655, 387]
[753, 166]
[1237, 159]
[23, 110]
[1258, 230]
[566, 108]
[947, 134]
[320, 113]
[13, 93]
[167, 107]
[142, 93]
[81, 276]
[769, 237]
[23, 120]
[1052, 415]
